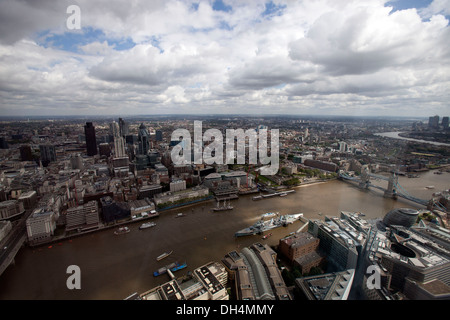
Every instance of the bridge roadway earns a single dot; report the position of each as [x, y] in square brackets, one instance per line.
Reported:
[13, 241]
[400, 191]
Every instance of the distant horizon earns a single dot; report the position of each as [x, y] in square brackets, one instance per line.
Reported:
[194, 115]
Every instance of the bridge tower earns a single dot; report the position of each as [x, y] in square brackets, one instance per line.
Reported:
[364, 178]
[391, 191]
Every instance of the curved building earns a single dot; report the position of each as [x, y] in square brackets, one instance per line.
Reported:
[405, 217]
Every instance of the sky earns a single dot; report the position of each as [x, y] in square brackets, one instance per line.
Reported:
[321, 57]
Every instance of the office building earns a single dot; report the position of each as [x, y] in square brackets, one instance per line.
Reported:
[445, 123]
[143, 140]
[330, 286]
[433, 122]
[76, 161]
[302, 250]
[114, 211]
[10, 209]
[29, 199]
[25, 153]
[119, 147]
[148, 191]
[298, 245]
[410, 262]
[82, 217]
[104, 149]
[123, 128]
[114, 129]
[339, 241]
[91, 142]
[159, 135]
[142, 208]
[48, 153]
[3, 143]
[41, 225]
[401, 216]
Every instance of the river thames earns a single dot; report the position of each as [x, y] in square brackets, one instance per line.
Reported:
[115, 266]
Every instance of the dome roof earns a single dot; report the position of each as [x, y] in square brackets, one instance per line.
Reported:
[401, 216]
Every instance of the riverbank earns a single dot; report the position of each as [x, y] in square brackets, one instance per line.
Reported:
[397, 135]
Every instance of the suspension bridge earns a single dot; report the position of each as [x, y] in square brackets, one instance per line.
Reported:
[393, 190]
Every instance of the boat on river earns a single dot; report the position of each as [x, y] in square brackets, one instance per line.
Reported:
[164, 255]
[122, 230]
[147, 225]
[172, 267]
[263, 225]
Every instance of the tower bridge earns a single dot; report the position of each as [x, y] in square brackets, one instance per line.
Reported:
[393, 190]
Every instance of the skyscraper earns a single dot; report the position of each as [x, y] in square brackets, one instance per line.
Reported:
[26, 153]
[143, 139]
[433, 122]
[91, 142]
[445, 123]
[119, 141]
[114, 129]
[48, 153]
[123, 127]
[159, 135]
[119, 147]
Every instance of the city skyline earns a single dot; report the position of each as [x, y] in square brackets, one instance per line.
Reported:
[371, 58]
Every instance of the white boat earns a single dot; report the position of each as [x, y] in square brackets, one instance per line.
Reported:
[122, 230]
[180, 215]
[429, 187]
[164, 255]
[269, 215]
[147, 225]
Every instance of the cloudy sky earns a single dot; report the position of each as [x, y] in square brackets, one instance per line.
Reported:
[327, 57]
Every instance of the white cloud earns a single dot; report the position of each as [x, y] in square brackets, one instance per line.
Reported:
[333, 56]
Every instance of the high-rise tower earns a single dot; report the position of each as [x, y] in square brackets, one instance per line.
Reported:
[91, 142]
[143, 139]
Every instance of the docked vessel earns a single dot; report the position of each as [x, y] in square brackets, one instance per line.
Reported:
[261, 225]
[172, 267]
[164, 255]
[147, 225]
[122, 230]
